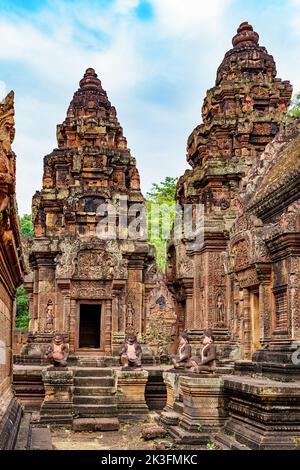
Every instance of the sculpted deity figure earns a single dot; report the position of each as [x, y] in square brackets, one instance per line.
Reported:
[131, 352]
[184, 352]
[220, 310]
[207, 361]
[7, 156]
[130, 312]
[58, 351]
[49, 316]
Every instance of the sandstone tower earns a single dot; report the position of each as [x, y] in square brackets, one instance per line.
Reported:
[90, 289]
[241, 114]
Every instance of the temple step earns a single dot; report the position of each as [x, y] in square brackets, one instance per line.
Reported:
[182, 436]
[94, 391]
[94, 372]
[95, 410]
[94, 381]
[93, 400]
[94, 396]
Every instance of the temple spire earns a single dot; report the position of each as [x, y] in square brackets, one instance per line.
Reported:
[245, 36]
[90, 80]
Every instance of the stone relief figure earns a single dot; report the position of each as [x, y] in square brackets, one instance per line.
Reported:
[66, 262]
[131, 353]
[207, 361]
[130, 314]
[220, 311]
[7, 156]
[184, 352]
[49, 326]
[58, 351]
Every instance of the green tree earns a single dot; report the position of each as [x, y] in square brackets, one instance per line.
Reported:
[22, 317]
[294, 110]
[164, 192]
[26, 224]
[161, 201]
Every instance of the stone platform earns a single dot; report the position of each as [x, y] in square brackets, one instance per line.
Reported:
[195, 407]
[131, 386]
[263, 414]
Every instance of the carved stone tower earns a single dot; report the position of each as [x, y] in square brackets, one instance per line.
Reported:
[85, 286]
[241, 115]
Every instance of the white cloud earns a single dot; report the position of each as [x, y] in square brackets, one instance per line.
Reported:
[2, 89]
[188, 17]
[45, 55]
[295, 4]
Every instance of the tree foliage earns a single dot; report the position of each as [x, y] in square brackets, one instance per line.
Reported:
[26, 224]
[164, 192]
[161, 198]
[294, 110]
[22, 316]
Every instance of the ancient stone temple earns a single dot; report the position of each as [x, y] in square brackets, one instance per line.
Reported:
[263, 259]
[11, 273]
[241, 114]
[91, 289]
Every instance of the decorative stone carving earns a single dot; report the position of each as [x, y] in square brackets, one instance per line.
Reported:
[49, 326]
[66, 262]
[7, 156]
[90, 290]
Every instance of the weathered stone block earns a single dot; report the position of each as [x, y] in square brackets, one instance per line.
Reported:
[96, 424]
[58, 402]
[131, 394]
[153, 432]
[203, 403]
[264, 414]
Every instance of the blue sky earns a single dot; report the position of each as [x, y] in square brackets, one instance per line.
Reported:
[156, 59]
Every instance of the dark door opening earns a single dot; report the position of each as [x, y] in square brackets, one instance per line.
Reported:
[89, 326]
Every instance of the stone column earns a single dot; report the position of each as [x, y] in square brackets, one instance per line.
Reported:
[73, 328]
[57, 406]
[189, 307]
[108, 327]
[265, 308]
[135, 289]
[31, 312]
[247, 324]
[131, 394]
[67, 310]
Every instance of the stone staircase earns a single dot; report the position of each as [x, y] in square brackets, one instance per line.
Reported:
[95, 400]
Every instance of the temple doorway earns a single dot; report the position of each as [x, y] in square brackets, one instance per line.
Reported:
[255, 332]
[89, 326]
